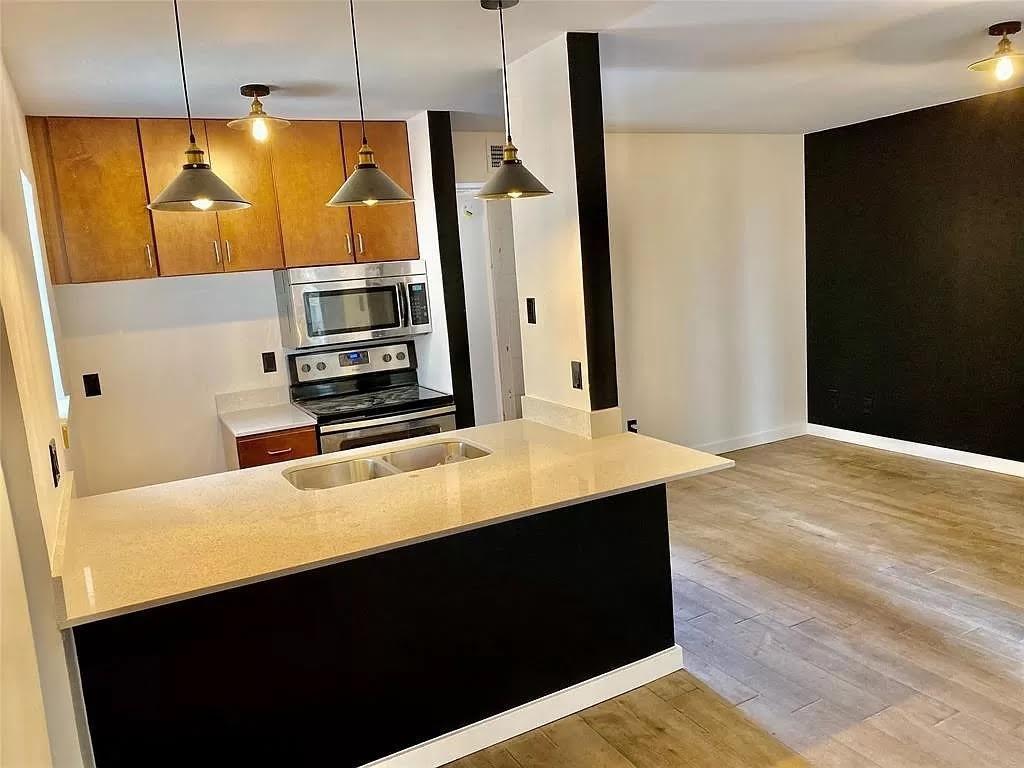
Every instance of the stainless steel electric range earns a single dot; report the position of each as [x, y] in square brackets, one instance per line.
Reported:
[366, 395]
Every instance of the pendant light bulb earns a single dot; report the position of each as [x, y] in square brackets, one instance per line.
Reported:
[512, 180]
[1004, 68]
[197, 187]
[367, 185]
[260, 132]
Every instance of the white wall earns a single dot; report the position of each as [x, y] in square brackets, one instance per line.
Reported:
[163, 348]
[707, 237]
[432, 352]
[472, 155]
[547, 234]
[476, 278]
[33, 674]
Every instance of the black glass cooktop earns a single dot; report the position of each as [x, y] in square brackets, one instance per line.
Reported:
[382, 402]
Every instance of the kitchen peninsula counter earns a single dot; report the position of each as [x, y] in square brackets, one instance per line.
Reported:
[405, 620]
[142, 547]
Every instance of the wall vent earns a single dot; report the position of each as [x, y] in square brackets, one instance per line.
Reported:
[497, 155]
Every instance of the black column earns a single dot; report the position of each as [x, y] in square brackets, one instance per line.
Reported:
[442, 163]
[584, 54]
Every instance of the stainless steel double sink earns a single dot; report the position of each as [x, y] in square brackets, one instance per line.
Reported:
[334, 474]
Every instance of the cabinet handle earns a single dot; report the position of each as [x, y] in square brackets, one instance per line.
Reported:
[149, 257]
[216, 251]
[227, 251]
[348, 243]
[280, 452]
[360, 245]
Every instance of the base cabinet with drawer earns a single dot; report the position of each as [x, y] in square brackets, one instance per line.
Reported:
[272, 447]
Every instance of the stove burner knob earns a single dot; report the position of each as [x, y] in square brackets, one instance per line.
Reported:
[321, 366]
[387, 357]
[401, 355]
[305, 368]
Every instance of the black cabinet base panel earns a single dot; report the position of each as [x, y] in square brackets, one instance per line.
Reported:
[348, 663]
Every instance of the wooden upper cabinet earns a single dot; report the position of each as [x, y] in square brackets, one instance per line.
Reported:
[187, 243]
[250, 238]
[307, 160]
[101, 192]
[383, 232]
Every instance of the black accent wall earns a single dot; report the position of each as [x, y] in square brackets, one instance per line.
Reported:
[915, 276]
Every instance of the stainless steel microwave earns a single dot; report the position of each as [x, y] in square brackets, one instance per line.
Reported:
[346, 303]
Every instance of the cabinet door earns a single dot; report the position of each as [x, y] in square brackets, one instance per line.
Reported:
[383, 232]
[101, 191]
[187, 243]
[307, 172]
[46, 196]
[250, 238]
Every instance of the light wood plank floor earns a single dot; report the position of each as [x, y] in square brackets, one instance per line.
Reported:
[837, 606]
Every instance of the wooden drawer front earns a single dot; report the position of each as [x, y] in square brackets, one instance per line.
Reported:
[272, 447]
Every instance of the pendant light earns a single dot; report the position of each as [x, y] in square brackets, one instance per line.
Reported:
[1005, 61]
[511, 180]
[257, 121]
[368, 184]
[197, 187]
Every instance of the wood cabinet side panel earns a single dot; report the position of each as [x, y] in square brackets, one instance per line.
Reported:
[46, 195]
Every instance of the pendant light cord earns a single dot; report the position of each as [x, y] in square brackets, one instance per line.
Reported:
[184, 81]
[359, 81]
[504, 72]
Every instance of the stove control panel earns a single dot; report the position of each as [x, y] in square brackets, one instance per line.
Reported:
[320, 366]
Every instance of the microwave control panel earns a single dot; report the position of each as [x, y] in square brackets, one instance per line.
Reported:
[418, 310]
[319, 366]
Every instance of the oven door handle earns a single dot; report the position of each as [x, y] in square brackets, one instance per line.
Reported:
[331, 429]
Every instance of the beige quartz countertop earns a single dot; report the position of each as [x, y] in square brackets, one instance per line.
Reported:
[268, 418]
[138, 548]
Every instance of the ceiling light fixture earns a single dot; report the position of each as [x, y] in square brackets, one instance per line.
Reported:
[197, 187]
[257, 121]
[511, 180]
[1005, 60]
[368, 184]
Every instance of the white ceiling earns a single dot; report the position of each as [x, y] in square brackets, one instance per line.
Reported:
[704, 65]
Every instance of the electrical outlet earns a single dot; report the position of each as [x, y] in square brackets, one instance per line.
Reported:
[577, 374]
[632, 426]
[269, 362]
[868, 405]
[531, 311]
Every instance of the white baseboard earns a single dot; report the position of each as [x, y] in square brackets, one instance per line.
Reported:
[934, 452]
[756, 438]
[494, 730]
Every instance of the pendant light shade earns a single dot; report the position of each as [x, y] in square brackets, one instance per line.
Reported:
[512, 180]
[197, 188]
[367, 184]
[258, 122]
[1005, 62]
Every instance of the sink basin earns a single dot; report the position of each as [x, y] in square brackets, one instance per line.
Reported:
[433, 455]
[332, 475]
[339, 473]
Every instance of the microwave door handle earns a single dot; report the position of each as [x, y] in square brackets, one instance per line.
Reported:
[403, 305]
